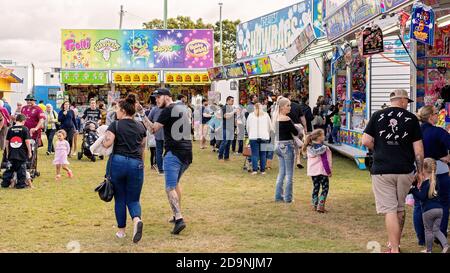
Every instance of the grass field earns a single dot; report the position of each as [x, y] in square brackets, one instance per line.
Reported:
[226, 210]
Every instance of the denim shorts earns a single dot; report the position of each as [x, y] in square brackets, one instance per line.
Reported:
[173, 170]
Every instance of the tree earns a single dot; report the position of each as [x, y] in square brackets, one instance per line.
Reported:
[185, 22]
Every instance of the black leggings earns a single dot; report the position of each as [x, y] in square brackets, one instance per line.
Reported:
[320, 181]
[152, 156]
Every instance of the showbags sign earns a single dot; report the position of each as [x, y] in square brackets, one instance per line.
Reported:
[371, 41]
[300, 44]
[422, 24]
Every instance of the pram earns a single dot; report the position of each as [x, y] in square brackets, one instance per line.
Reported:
[31, 163]
[89, 138]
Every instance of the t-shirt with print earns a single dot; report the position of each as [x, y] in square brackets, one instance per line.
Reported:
[177, 131]
[17, 136]
[92, 115]
[128, 137]
[394, 131]
[33, 114]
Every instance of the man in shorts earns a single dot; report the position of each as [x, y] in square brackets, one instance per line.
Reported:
[394, 136]
[175, 121]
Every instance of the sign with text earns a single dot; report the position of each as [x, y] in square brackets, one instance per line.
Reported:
[236, 70]
[422, 24]
[301, 43]
[136, 49]
[84, 77]
[349, 16]
[258, 66]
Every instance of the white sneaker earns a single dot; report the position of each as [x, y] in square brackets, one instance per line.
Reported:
[120, 235]
[445, 250]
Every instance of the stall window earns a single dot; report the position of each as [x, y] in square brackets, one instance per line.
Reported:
[52, 94]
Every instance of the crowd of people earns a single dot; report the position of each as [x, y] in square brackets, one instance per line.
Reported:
[410, 154]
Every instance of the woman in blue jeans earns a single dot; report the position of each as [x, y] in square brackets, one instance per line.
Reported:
[284, 149]
[126, 165]
[259, 127]
[436, 142]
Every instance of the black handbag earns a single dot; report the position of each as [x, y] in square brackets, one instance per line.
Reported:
[106, 188]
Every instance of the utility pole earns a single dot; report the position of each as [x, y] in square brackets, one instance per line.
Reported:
[221, 34]
[121, 16]
[165, 14]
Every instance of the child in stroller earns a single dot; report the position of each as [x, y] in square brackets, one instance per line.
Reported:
[90, 135]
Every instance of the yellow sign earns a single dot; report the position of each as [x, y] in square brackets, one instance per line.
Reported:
[136, 78]
[194, 78]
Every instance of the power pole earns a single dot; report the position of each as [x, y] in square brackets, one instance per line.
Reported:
[165, 14]
[221, 34]
[121, 16]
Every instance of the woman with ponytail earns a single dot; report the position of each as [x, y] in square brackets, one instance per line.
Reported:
[436, 142]
[429, 196]
[285, 131]
[126, 165]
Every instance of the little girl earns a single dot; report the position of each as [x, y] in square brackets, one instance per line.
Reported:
[428, 194]
[62, 150]
[319, 167]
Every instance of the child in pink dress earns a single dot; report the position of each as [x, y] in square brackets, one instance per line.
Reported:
[62, 150]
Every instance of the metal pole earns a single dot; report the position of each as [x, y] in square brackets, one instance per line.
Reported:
[34, 75]
[121, 16]
[221, 35]
[165, 14]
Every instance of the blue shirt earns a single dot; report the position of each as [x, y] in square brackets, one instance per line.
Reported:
[436, 141]
[68, 122]
[422, 194]
[153, 117]
[7, 107]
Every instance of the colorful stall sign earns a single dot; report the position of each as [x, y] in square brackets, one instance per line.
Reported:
[85, 77]
[441, 46]
[350, 16]
[236, 70]
[275, 32]
[181, 78]
[216, 73]
[318, 15]
[136, 49]
[388, 5]
[422, 24]
[371, 41]
[351, 138]
[136, 78]
[258, 66]
[301, 43]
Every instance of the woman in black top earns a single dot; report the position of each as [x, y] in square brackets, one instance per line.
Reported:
[68, 122]
[126, 165]
[284, 148]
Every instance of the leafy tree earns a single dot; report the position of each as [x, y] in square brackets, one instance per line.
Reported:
[185, 22]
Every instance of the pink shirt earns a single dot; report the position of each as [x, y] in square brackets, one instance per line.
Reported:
[315, 166]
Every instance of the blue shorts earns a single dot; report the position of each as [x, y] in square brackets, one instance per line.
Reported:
[173, 170]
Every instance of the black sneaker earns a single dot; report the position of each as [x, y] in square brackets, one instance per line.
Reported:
[172, 220]
[137, 234]
[179, 226]
[300, 166]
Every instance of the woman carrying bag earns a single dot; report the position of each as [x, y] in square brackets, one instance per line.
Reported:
[126, 165]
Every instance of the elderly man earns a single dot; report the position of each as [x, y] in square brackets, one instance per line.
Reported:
[394, 136]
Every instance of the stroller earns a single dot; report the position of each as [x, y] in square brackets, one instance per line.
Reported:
[31, 163]
[89, 137]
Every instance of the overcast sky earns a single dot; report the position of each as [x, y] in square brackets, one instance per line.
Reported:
[31, 28]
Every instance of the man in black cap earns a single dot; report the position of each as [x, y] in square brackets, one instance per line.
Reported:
[35, 118]
[174, 119]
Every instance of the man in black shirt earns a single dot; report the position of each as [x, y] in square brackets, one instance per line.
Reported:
[174, 119]
[394, 136]
[297, 117]
[92, 113]
[307, 112]
[228, 118]
[18, 151]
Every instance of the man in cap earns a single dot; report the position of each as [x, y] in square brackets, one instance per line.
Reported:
[35, 118]
[174, 120]
[394, 136]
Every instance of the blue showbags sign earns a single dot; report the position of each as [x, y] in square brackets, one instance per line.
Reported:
[272, 33]
[422, 24]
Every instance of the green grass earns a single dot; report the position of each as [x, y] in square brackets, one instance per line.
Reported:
[226, 210]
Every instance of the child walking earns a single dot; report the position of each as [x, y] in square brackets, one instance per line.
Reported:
[428, 194]
[319, 167]
[62, 150]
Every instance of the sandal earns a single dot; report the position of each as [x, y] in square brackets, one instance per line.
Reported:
[120, 235]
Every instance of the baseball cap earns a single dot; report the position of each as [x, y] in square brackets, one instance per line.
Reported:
[400, 94]
[162, 92]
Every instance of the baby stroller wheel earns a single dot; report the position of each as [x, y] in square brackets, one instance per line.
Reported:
[93, 159]
[80, 155]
